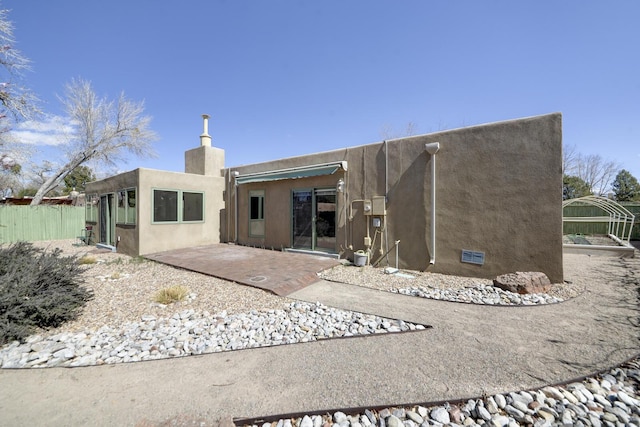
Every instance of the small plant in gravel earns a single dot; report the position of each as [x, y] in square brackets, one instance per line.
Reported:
[87, 260]
[171, 294]
[116, 261]
[38, 289]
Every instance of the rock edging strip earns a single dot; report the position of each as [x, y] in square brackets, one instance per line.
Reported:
[608, 399]
[190, 333]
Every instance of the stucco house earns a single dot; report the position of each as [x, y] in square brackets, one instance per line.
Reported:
[477, 201]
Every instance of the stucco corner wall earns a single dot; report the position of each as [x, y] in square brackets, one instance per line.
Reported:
[164, 237]
[128, 234]
[499, 191]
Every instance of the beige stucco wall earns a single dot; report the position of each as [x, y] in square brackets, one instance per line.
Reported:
[164, 237]
[498, 191]
[128, 233]
[277, 210]
[204, 160]
[145, 237]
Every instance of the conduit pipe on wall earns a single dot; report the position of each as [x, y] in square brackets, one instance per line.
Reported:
[432, 149]
[386, 200]
[235, 188]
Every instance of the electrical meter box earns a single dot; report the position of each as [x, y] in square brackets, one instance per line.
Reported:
[366, 207]
[378, 206]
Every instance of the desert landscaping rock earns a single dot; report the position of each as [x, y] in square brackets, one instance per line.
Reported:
[523, 282]
[447, 288]
[481, 294]
[606, 403]
[190, 333]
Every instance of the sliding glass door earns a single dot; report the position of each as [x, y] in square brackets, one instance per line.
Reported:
[314, 219]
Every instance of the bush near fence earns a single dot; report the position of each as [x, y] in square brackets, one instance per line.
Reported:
[35, 223]
[597, 227]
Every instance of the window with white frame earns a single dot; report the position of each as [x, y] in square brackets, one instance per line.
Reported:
[256, 213]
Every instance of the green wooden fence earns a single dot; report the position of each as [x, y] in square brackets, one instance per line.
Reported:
[597, 227]
[35, 223]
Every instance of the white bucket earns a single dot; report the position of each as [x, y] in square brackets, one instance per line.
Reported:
[360, 259]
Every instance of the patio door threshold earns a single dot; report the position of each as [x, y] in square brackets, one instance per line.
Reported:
[310, 252]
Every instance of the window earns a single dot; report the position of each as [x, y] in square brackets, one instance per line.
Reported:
[192, 206]
[256, 213]
[131, 206]
[91, 208]
[178, 206]
[165, 206]
[126, 211]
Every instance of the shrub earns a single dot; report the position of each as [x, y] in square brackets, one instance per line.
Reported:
[172, 294]
[38, 289]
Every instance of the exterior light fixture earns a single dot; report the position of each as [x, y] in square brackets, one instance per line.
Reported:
[340, 186]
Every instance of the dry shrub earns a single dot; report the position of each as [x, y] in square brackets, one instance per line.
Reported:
[171, 294]
[85, 260]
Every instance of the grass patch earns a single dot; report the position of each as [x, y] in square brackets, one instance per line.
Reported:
[171, 294]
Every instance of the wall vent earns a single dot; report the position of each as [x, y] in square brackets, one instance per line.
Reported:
[472, 257]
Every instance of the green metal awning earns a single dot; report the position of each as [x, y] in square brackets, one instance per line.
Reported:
[292, 173]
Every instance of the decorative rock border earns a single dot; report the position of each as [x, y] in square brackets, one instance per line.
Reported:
[190, 333]
[610, 399]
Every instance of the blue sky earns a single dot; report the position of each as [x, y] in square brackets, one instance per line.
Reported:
[286, 78]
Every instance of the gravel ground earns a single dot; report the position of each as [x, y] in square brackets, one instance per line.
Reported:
[377, 279]
[124, 290]
[124, 287]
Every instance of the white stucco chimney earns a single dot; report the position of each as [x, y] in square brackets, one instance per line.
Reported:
[205, 139]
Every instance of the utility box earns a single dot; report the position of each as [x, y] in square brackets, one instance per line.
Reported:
[379, 206]
[366, 207]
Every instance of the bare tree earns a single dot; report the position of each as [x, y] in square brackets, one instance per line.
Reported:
[569, 159]
[595, 171]
[388, 132]
[16, 102]
[103, 132]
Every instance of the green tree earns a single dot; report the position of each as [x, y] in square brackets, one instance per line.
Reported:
[574, 187]
[626, 187]
[77, 179]
[26, 192]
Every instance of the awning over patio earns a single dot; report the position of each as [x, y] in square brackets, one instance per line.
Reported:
[292, 173]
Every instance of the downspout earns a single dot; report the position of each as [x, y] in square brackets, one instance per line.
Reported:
[432, 149]
[235, 210]
[386, 200]
[228, 203]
